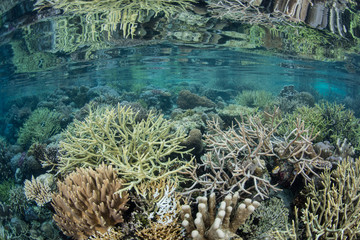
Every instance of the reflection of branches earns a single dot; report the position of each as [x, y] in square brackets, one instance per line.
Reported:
[243, 11]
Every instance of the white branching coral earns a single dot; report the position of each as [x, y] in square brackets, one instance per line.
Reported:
[223, 224]
[166, 207]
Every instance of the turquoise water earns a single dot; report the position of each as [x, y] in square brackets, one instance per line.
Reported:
[180, 111]
[169, 67]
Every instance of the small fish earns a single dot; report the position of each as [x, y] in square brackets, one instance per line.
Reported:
[276, 170]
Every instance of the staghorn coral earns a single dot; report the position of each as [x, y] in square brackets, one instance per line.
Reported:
[297, 149]
[236, 159]
[17, 200]
[210, 225]
[37, 190]
[138, 150]
[332, 210]
[87, 202]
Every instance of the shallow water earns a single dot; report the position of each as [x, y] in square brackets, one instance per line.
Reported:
[171, 66]
[52, 66]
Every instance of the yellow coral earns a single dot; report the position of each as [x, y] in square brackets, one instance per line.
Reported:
[139, 150]
[332, 210]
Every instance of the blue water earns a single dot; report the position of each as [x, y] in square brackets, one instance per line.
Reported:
[168, 67]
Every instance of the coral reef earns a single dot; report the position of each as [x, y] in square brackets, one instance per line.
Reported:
[194, 141]
[87, 202]
[159, 201]
[5, 187]
[37, 190]
[171, 231]
[41, 125]
[289, 99]
[189, 100]
[139, 150]
[255, 99]
[235, 158]
[216, 224]
[272, 215]
[332, 209]
[17, 199]
[110, 234]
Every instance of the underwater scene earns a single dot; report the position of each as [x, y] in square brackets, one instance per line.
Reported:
[179, 119]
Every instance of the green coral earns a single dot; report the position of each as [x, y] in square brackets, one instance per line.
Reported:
[5, 188]
[312, 117]
[41, 125]
[141, 151]
[255, 99]
[341, 123]
[270, 216]
[331, 120]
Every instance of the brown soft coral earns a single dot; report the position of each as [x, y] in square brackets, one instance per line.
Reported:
[87, 203]
[188, 100]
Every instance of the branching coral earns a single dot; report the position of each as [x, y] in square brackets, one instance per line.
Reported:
[236, 160]
[297, 148]
[171, 231]
[87, 202]
[38, 191]
[237, 157]
[126, 13]
[270, 216]
[210, 225]
[139, 150]
[159, 201]
[332, 210]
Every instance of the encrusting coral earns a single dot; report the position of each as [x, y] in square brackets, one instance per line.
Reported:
[87, 202]
[38, 191]
[138, 150]
[223, 225]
